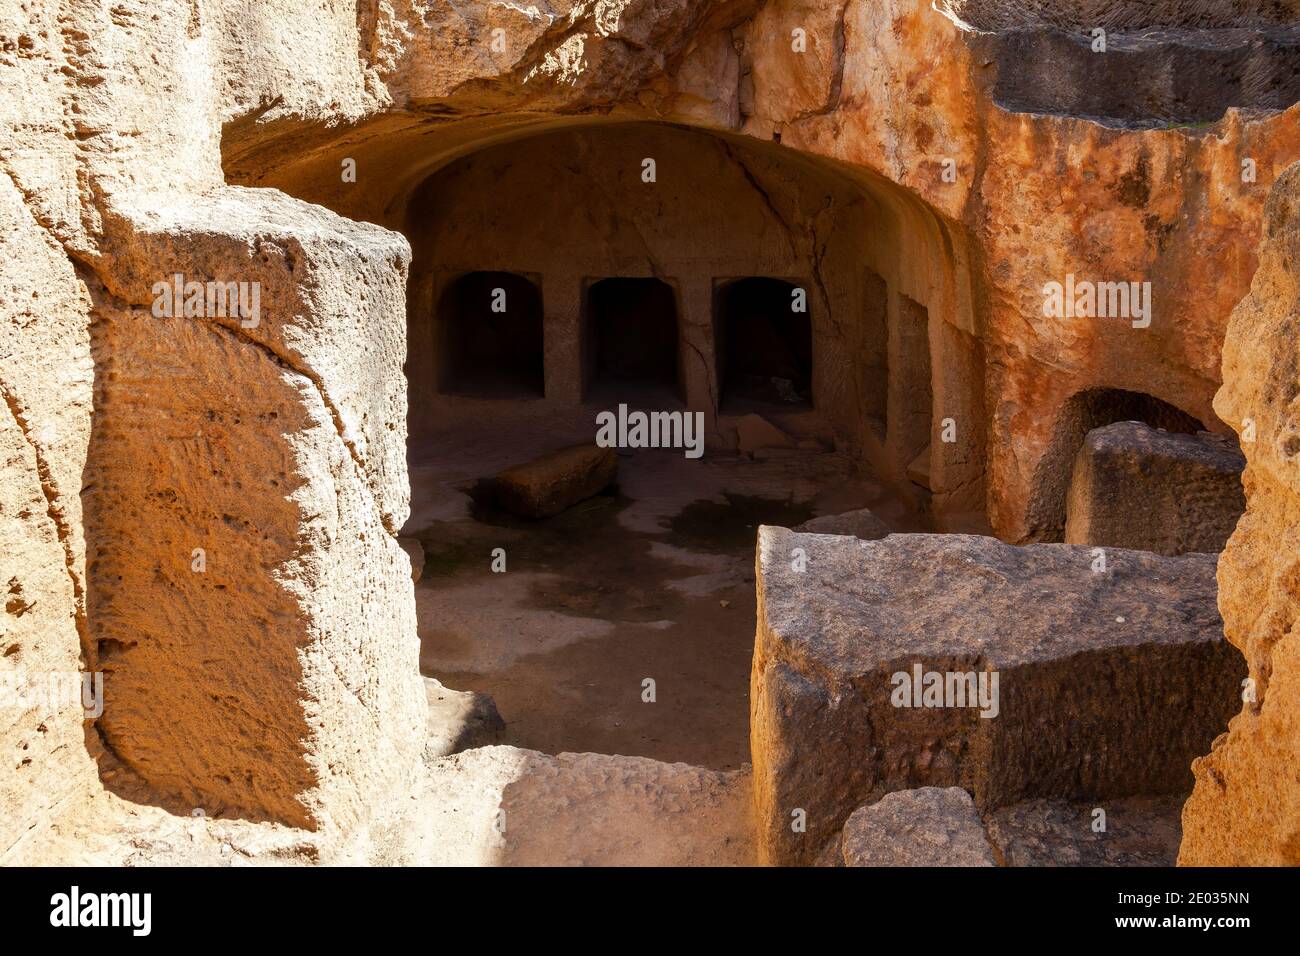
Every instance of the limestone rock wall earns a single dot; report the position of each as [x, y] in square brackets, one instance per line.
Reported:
[117, 118]
[246, 579]
[45, 416]
[816, 230]
[280, 680]
[1246, 805]
[993, 203]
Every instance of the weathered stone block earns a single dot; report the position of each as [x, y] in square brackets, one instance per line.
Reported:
[247, 596]
[546, 486]
[1107, 684]
[1135, 486]
[930, 826]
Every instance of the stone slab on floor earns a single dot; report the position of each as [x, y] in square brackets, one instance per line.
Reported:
[1138, 487]
[544, 487]
[1108, 684]
[930, 826]
[502, 806]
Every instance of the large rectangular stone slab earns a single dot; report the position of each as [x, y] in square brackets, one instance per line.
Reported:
[1138, 487]
[1109, 681]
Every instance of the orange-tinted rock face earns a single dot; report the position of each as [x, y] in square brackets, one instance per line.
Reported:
[1246, 805]
[982, 179]
[983, 205]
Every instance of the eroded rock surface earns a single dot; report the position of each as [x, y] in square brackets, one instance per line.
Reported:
[1245, 808]
[415, 551]
[249, 479]
[46, 376]
[278, 450]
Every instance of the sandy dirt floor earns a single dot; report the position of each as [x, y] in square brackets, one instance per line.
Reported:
[652, 580]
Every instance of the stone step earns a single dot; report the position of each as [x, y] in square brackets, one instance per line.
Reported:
[503, 806]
